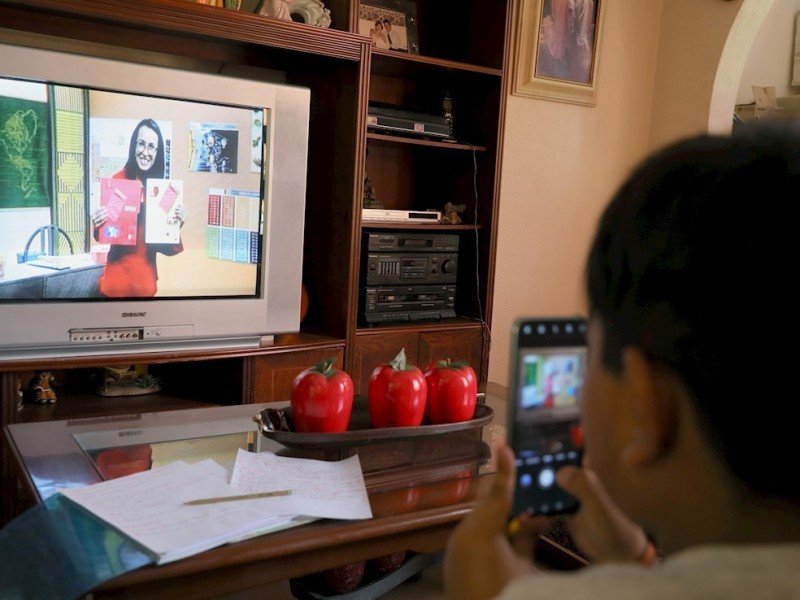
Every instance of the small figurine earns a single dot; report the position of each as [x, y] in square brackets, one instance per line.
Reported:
[131, 380]
[452, 213]
[370, 201]
[42, 391]
[312, 12]
[20, 395]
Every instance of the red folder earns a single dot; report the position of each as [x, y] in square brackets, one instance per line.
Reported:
[122, 200]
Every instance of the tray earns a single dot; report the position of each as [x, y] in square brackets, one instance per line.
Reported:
[372, 586]
[276, 424]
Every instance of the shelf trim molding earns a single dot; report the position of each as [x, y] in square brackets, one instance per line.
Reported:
[209, 22]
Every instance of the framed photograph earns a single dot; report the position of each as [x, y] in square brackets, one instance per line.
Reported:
[390, 24]
[557, 44]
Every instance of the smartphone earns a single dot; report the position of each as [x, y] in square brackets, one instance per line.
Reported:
[548, 366]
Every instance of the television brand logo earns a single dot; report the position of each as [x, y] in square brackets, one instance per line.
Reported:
[134, 314]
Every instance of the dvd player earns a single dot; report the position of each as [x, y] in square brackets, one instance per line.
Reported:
[405, 216]
[407, 121]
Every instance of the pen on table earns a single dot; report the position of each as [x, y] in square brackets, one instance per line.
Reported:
[241, 497]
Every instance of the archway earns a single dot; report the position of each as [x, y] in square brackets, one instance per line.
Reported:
[732, 62]
[702, 54]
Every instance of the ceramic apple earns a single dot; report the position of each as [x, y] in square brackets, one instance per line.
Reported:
[397, 394]
[322, 399]
[452, 392]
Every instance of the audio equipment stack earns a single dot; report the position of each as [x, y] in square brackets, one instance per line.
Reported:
[409, 276]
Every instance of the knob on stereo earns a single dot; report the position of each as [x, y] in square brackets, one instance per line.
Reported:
[448, 266]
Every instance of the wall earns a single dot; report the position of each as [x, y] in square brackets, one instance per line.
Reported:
[668, 68]
[771, 56]
[560, 164]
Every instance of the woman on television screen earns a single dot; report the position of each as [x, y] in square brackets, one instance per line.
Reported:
[131, 264]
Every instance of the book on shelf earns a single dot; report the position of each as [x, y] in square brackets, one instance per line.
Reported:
[231, 4]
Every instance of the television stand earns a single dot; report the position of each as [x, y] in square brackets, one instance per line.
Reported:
[189, 378]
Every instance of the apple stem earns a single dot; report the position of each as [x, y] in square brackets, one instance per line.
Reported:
[448, 364]
[399, 362]
[325, 367]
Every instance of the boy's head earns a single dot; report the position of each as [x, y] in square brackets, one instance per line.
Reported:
[692, 265]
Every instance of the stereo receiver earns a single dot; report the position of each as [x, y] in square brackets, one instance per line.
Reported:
[409, 303]
[408, 276]
[394, 268]
[411, 242]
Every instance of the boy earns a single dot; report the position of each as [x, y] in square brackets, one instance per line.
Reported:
[687, 396]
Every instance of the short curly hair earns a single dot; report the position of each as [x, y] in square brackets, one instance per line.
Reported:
[691, 263]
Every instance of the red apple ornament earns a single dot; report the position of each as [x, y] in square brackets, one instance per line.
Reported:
[397, 393]
[345, 578]
[452, 392]
[322, 399]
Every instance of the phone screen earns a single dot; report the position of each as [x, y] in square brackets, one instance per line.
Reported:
[545, 431]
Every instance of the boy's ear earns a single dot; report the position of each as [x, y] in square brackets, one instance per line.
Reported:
[653, 411]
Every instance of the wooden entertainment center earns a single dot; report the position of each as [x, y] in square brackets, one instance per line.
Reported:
[463, 53]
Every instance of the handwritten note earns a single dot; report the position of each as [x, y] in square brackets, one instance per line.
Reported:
[333, 490]
[148, 507]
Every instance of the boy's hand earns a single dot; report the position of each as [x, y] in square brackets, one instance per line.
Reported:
[480, 558]
[599, 527]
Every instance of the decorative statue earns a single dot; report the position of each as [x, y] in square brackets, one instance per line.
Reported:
[452, 213]
[42, 391]
[20, 395]
[132, 380]
[370, 201]
[312, 12]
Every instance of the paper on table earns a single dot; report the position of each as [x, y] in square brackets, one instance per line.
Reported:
[333, 490]
[149, 507]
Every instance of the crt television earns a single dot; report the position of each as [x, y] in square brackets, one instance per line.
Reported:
[203, 252]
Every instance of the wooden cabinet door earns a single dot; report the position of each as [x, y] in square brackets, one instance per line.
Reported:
[273, 374]
[421, 348]
[456, 345]
[373, 350]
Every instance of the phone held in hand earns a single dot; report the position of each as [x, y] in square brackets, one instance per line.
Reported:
[548, 366]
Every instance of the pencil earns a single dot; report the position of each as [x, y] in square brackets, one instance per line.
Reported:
[242, 497]
[514, 525]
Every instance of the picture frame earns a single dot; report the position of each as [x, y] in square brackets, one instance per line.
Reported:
[390, 24]
[796, 53]
[557, 50]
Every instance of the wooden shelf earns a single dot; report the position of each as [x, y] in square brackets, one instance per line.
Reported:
[415, 141]
[455, 324]
[180, 18]
[401, 64]
[81, 406]
[282, 344]
[394, 225]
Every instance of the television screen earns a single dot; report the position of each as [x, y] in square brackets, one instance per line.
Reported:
[140, 203]
[548, 400]
[150, 196]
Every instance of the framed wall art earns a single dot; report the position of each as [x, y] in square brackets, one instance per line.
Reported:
[557, 46]
[796, 56]
[390, 24]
